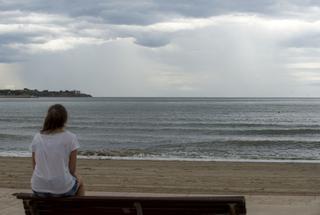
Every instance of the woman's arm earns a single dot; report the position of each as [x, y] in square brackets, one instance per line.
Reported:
[73, 162]
[33, 160]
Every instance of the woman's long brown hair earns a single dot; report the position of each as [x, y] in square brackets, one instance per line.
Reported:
[56, 118]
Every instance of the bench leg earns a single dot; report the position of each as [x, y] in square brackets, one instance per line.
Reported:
[138, 207]
[233, 209]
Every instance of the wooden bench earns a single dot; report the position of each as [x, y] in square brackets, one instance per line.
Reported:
[141, 205]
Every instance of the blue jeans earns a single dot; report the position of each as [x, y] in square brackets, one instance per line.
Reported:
[71, 192]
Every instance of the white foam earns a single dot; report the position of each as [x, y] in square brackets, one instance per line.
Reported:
[165, 158]
[15, 154]
[197, 159]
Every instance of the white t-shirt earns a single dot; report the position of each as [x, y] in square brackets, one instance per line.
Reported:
[52, 153]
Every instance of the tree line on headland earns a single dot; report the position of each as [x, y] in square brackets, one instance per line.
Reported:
[44, 93]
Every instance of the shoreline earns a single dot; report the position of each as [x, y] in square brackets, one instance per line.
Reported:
[150, 158]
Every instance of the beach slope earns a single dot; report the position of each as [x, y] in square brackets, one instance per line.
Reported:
[288, 187]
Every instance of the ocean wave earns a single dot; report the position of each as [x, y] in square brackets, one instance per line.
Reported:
[269, 150]
[174, 158]
[14, 136]
[287, 131]
[35, 128]
[187, 155]
[216, 145]
[24, 119]
[117, 153]
[197, 124]
[258, 129]
[155, 123]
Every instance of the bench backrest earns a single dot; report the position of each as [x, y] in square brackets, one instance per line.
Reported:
[132, 205]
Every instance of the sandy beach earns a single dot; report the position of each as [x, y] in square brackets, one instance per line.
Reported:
[269, 188]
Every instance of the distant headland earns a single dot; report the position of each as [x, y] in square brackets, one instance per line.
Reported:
[27, 93]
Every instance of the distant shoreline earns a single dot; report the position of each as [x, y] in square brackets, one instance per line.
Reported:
[18, 97]
[28, 93]
[35, 97]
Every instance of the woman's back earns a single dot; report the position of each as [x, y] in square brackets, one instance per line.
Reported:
[52, 154]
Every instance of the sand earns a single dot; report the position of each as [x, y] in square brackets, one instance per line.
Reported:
[269, 188]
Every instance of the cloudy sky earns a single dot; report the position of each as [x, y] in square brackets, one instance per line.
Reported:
[162, 47]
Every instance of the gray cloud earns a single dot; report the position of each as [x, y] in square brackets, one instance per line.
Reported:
[307, 40]
[145, 12]
[39, 25]
[7, 55]
[152, 39]
[161, 47]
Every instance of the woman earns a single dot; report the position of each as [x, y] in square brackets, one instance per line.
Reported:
[54, 158]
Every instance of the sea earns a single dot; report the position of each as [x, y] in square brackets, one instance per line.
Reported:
[208, 129]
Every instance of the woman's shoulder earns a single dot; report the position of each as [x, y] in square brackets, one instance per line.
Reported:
[72, 139]
[37, 135]
[70, 134]
[36, 139]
